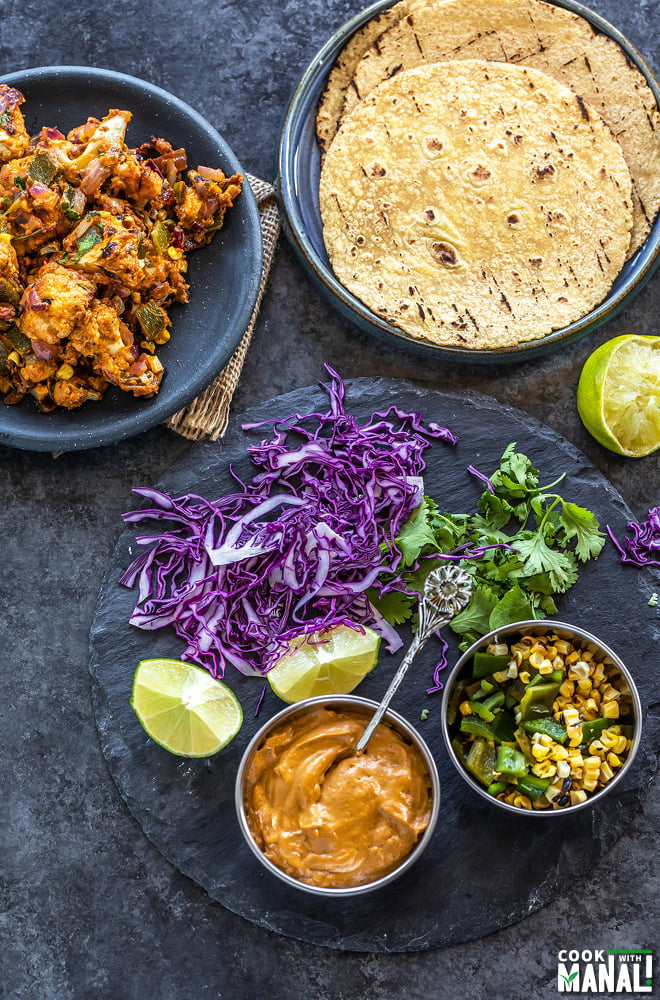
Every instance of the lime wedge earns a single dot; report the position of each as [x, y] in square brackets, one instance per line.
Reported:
[324, 663]
[618, 396]
[183, 708]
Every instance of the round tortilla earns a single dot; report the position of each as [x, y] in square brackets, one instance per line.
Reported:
[331, 104]
[476, 203]
[545, 37]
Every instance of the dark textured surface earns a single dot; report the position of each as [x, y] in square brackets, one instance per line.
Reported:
[186, 807]
[89, 908]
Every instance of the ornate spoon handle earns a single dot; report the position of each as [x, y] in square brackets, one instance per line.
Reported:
[446, 591]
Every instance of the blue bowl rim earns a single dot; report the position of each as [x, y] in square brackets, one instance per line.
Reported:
[141, 418]
[642, 264]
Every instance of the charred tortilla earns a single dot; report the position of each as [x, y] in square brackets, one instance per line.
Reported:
[545, 37]
[476, 203]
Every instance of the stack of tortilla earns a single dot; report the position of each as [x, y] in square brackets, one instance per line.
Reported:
[488, 167]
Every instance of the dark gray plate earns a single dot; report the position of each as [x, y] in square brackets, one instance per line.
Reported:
[484, 868]
[224, 277]
[299, 166]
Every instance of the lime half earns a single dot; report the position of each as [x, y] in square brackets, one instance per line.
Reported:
[324, 663]
[618, 396]
[183, 708]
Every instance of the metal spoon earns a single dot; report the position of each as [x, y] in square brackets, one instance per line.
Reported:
[446, 591]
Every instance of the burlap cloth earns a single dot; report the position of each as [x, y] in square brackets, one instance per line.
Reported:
[207, 416]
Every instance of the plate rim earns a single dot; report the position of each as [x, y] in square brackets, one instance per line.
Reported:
[644, 261]
[140, 419]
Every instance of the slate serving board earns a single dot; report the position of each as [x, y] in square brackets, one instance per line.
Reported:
[484, 869]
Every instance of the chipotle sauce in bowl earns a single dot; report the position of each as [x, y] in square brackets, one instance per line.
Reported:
[327, 816]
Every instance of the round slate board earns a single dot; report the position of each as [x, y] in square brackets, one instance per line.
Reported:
[484, 869]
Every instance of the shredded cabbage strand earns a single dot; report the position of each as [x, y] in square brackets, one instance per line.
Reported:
[296, 549]
[642, 546]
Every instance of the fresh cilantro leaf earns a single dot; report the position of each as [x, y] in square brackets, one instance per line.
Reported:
[547, 605]
[476, 616]
[396, 608]
[516, 474]
[580, 523]
[415, 581]
[415, 535]
[513, 607]
[450, 531]
[495, 510]
[538, 557]
[539, 583]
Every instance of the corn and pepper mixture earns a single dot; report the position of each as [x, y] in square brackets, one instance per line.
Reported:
[544, 722]
[93, 243]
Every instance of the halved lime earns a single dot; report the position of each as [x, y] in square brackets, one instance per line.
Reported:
[618, 396]
[329, 662]
[183, 708]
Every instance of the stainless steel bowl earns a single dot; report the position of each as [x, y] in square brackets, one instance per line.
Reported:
[565, 631]
[345, 702]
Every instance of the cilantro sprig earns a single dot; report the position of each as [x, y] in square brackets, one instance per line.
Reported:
[529, 542]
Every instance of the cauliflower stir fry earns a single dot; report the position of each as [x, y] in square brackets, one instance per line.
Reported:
[93, 244]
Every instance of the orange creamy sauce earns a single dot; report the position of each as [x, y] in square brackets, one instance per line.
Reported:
[327, 816]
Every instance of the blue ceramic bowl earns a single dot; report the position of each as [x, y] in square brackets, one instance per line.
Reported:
[298, 172]
[224, 277]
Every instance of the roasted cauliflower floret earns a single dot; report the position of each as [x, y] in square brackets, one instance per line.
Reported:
[72, 393]
[108, 343]
[10, 283]
[106, 245]
[14, 139]
[201, 207]
[140, 182]
[54, 303]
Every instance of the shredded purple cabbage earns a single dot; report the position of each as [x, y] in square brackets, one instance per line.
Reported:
[482, 477]
[642, 546]
[296, 549]
[437, 684]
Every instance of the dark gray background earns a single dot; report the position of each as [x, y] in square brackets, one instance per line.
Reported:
[88, 908]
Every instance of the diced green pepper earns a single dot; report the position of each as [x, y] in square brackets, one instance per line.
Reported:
[504, 727]
[487, 663]
[497, 787]
[21, 343]
[67, 203]
[480, 761]
[479, 727]
[556, 677]
[495, 700]
[487, 686]
[160, 236]
[151, 318]
[514, 692]
[481, 710]
[538, 700]
[42, 168]
[455, 699]
[532, 786]
[91, 238]
[459, 749]
[593, 729]
[548, 727]
[10, 290]
[510, 761]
